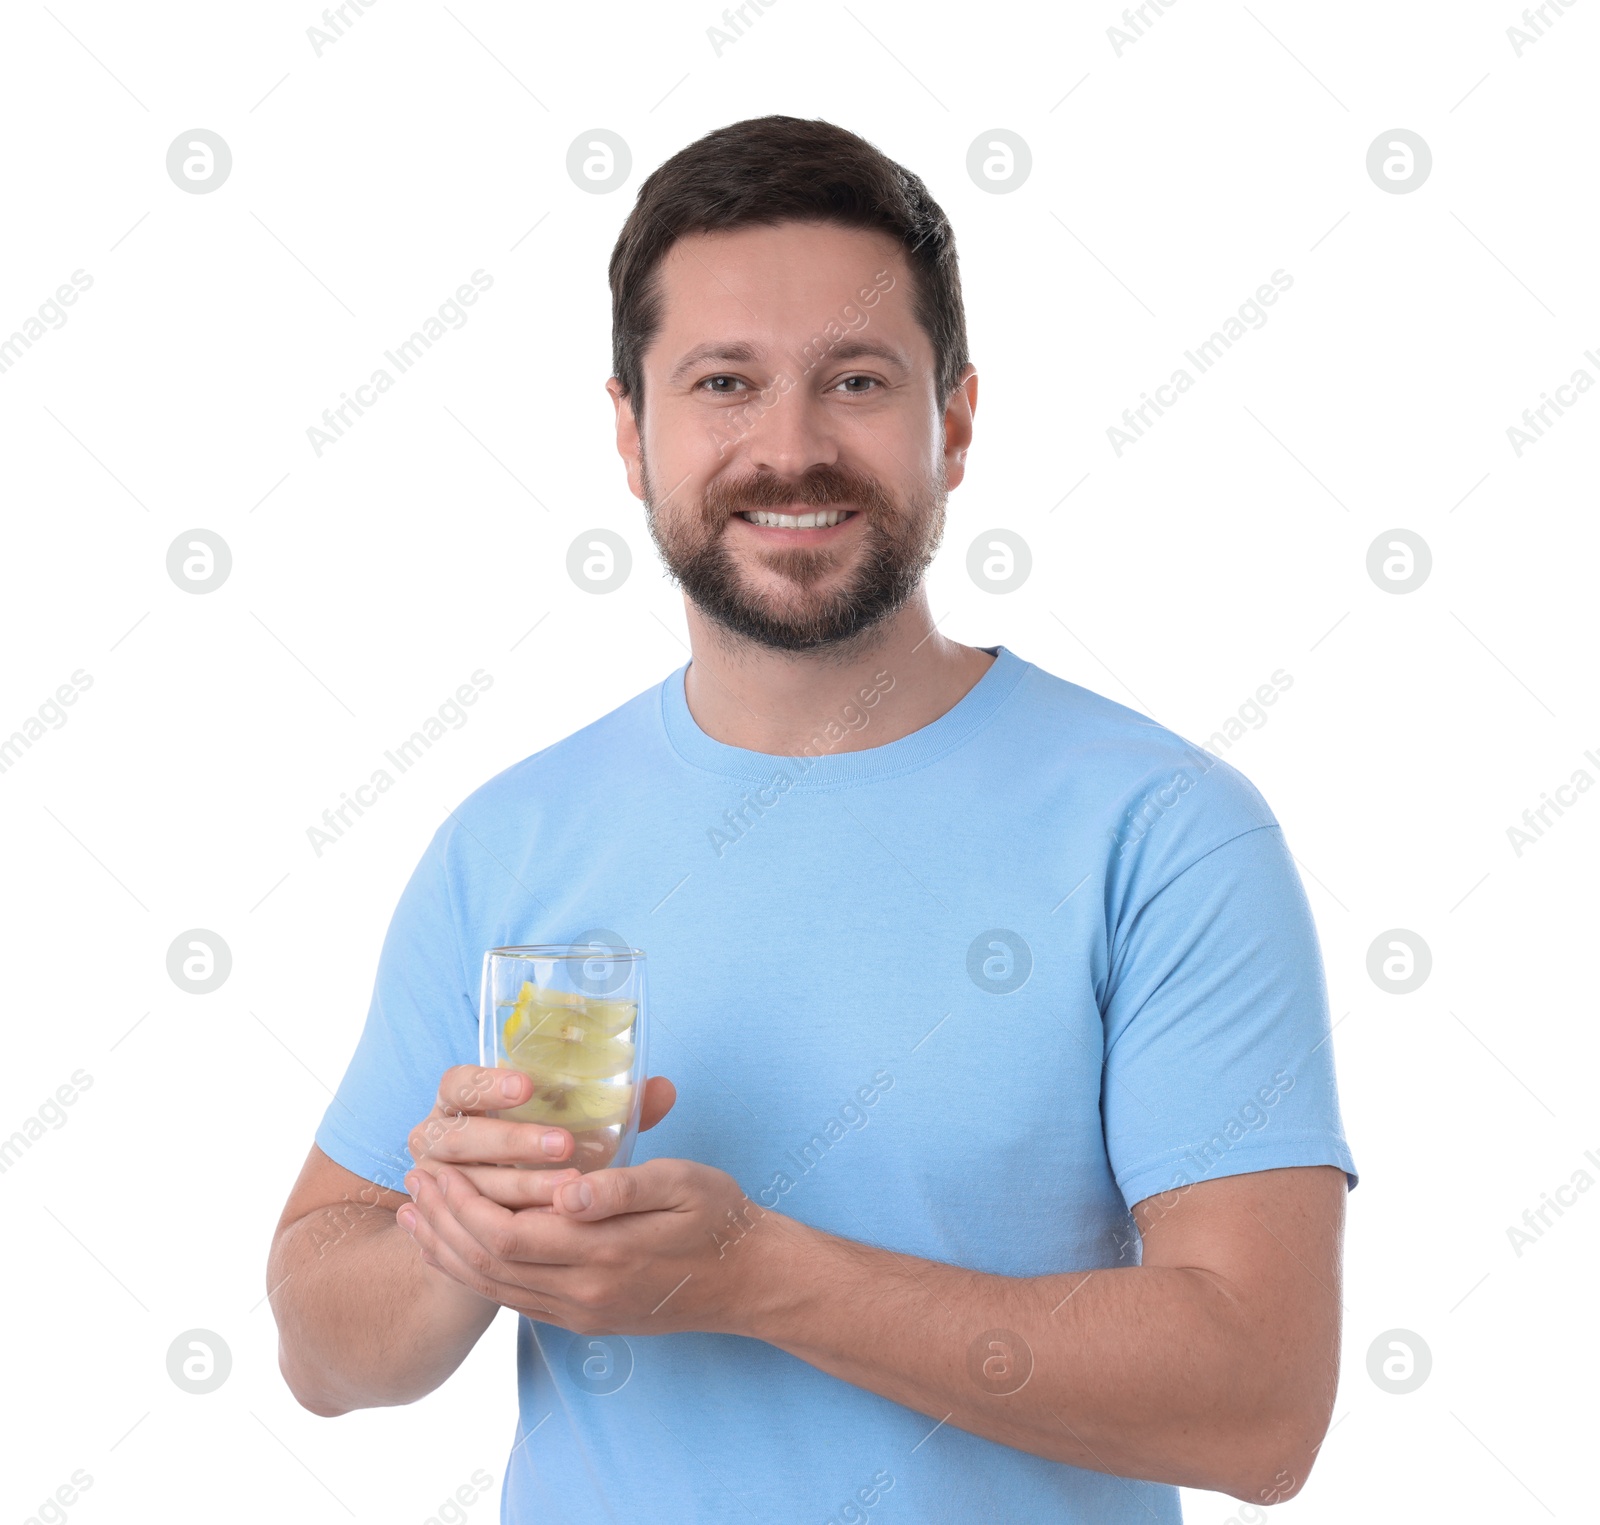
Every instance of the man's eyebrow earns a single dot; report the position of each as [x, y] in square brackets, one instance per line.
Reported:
[864, 349]
[735, 351]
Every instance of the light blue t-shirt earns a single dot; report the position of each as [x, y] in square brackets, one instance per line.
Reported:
[967, 995]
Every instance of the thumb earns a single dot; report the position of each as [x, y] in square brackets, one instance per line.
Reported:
[617, 1190]
[660, 1095]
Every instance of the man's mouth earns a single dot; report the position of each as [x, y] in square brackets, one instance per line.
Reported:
[822, 518]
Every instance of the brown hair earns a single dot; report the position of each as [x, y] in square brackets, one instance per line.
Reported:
[776, 169]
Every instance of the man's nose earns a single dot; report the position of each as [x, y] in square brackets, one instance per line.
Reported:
[788, 435]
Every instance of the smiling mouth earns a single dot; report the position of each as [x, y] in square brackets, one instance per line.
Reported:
[823, 518]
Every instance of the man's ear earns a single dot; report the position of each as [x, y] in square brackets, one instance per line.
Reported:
[958, 411]
[627, 436]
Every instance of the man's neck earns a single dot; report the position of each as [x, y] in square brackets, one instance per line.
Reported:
[863, 695]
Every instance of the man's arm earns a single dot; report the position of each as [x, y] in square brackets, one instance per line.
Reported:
[1213, 1364]
[362, 1322]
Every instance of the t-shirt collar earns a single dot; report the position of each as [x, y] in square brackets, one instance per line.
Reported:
[821, 763]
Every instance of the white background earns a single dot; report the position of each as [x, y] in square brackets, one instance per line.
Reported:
[1231, 541]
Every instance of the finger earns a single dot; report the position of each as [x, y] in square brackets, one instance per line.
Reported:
[622, 1189]
[659, 1096]
[509, 1186]
[491, 1239]
[520, 1238]
[477, 1088]
[488, 1141]
[437, 1246]
[534, 1302]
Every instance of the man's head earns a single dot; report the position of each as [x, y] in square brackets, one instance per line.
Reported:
[788, 339]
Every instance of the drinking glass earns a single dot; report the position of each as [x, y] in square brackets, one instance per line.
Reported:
[572, 1017]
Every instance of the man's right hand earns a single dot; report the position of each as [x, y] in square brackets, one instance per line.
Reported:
[487, 1150]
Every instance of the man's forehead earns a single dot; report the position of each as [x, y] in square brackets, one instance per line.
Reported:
[782, 264]
[736, 296]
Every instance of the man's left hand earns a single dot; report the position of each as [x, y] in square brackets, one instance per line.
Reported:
[661, 1247]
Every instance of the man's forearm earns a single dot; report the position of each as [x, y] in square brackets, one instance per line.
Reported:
[362, 1321]
[1151, 1373]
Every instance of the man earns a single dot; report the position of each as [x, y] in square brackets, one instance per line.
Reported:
[1003, 1176]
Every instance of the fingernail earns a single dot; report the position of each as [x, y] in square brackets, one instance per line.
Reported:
[407, 1219]
[511, 1085]
[554, 1143]
[578, 1196]
[412, 1182]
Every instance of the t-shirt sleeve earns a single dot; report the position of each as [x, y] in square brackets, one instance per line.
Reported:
[422, 1020]
[1218, 1053]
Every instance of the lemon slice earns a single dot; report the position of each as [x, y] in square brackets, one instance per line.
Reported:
[575, 1104]
[537, 995]
[611, 1017]
[568, 1023]
[527, 1020]
[544, 996]
[570, 1053]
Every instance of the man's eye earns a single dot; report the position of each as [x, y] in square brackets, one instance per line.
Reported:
[714, 384]
[868, 383]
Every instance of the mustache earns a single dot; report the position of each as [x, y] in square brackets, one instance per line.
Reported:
[821, 487]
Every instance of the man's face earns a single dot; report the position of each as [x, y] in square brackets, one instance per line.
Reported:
[789, 381]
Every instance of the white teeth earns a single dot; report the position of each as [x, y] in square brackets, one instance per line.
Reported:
[821, 519]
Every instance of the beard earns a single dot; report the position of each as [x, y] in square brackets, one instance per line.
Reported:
[897, 543]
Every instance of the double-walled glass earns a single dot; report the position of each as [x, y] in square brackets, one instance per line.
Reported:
[571, 1016]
